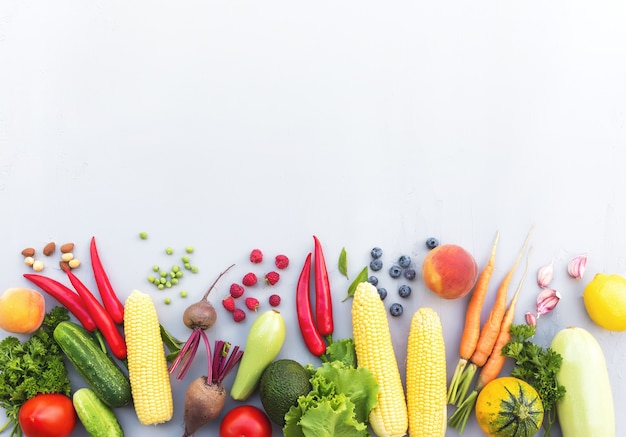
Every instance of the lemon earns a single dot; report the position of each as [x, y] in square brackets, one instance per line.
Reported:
[605, 301]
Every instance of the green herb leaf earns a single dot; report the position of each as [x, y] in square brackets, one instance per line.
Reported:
[361, 277]
[35, 366]
[537, 366]
[343, 262]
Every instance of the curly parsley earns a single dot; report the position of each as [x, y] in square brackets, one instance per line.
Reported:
[538, 367]
[35, 366]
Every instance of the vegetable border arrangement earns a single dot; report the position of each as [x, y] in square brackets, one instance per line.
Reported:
[127, 359]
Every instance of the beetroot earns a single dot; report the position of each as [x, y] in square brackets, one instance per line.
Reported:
[198, 317]
[206, 395]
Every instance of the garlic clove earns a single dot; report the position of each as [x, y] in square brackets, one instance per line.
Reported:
[545, 275]
[547, 300]
[576, 267]
[531, 319]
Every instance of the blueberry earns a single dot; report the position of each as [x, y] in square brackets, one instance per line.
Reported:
[410, 274]
[376, 264]
[373, 280]
[396, 309]
[404, 261]
[404, 290]
[382, 292]
[395, 271]
[376, 252]
[432, 242]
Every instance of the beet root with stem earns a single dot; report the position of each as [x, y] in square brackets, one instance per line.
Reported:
[200, 315]
[203, 403]
[206, 395]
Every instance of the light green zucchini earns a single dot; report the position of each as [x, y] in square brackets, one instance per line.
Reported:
[587, 408]
[265, 339]
[97, 418]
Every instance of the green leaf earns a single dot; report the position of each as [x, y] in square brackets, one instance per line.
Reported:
[343, 262]
[361, 277]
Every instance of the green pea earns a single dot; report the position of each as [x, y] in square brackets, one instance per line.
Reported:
[167, 301]
[174, 281]
[163, 273]
[179, 274]
[185, 259]
[187, 266]
[162, 281]
[160, 286]
[194, 269]
[169, 250]
[175, 268]
[189, 249]
[143, 235]
[183, 293]
[168, 284]
[155, 268]
[151, 279]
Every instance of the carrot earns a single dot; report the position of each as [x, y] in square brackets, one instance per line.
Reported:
[495, 362]
[471, 331]
[493, 365]
[491, 328]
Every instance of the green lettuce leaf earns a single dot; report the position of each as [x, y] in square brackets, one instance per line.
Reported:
[359, 385]
[338, 404]
[332, 416]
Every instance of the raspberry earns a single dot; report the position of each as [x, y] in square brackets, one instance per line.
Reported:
[238, 315]
[256, 256]
[236, 290]
[274, 300]
[281, 261]
[249, 280]
[229, 303]
[252, 303]
[272, 278]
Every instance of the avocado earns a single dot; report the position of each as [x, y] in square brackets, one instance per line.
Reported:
[282, 383]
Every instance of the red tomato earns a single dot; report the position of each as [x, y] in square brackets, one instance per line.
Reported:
[47, 415]
[246, 421]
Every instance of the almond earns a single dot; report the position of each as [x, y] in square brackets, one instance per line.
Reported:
[64, 265]
[29, 251]
[67, 247]
[49, 248]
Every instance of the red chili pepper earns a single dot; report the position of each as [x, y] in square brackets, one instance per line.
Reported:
[66, 297]
[323, 297]
[311, 336]
[109, 298]
[103, 319]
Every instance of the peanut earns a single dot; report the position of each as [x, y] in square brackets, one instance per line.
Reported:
[29, 261]
[73, 263]
[67, 257]
[38, 265]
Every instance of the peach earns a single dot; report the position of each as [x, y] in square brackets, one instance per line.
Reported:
[449, 271]
[21, 310]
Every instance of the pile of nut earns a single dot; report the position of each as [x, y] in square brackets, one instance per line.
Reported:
[67, 256]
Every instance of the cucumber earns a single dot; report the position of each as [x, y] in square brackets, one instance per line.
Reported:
[265, 339]
[97, 418]
[587, 408]
[97, 368]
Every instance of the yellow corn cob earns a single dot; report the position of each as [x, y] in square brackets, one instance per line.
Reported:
[426, 376]
[374, 351]
[147, 366]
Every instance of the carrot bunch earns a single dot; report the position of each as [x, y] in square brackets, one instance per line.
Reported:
[487, 346]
